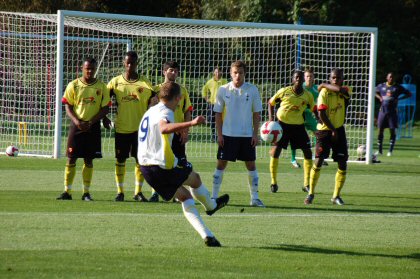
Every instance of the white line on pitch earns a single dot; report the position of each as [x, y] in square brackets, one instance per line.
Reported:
[234, 215]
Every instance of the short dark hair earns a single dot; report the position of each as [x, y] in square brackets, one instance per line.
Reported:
[238, 64]
[171, 64]
[90, 60]
[132, 54]
[299, 72]
[169, 91]
[338, 72]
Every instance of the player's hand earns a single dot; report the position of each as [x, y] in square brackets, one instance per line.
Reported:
[220, 141]
[334, 136]
[254, 140]
[198, 120]
[183, 136]
[107, 123]
[83, 125]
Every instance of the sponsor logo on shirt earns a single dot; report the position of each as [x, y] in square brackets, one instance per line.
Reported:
[132, 97]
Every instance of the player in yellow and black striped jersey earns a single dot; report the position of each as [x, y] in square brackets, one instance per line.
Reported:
[332, 104]
[133, 95]
[87, 101]
[182, 113]
[294, 100]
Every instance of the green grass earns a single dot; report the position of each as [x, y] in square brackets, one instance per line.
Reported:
[375, 235]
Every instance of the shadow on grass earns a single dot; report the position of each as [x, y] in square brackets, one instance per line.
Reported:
[317, 250]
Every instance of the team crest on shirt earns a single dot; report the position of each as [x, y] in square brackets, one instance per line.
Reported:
[132, 97]
[87, 101]
[98, 92]
[140, 90]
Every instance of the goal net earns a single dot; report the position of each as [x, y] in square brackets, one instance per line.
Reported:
[40, 54]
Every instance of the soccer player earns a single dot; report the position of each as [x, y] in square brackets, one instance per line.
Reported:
[133, 94]
[294, 100]
[332, 104]
[209, 93]
[388, 94]
[182, 113]
[161, 167]
[237, 131]
[87, 101]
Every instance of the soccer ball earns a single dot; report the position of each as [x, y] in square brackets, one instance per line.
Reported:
[12, 151]
[271, 132]
[361, 151]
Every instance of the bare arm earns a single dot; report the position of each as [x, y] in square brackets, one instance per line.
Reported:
[167, 128]
[324, 118]
[256, 125]
[271, 113]
[219, 125]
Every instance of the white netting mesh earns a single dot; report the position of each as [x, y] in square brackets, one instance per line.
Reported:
[28, 65]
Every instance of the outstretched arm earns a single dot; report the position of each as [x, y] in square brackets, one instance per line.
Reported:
[167, 128]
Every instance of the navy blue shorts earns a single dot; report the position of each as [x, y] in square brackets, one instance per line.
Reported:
[236, 148]
[296, 135]
[166, 182]
[324, 144]
[126, 145]
[84, 144]
[387, 120]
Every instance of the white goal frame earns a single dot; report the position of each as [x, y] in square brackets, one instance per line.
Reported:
[207, 29]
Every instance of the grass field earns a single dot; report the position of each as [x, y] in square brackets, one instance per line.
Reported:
[375, 235]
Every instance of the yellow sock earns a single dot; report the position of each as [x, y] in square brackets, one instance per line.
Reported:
[69, 174]
[315, 173]
[274, 163]
[87, 173]
[307, 164]
[139, 179]
[340, 178]
[119, 176]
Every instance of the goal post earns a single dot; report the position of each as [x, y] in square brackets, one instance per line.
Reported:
[269, 50]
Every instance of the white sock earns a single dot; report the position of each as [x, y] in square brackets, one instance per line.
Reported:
[203, 196]
[217, 182]
[253, 184]
[192, 215]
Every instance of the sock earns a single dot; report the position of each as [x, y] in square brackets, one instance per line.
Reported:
[307, 164]
[203, 196]
[87, 173]
[392, 142]
[293, 153]
[380, 140]
[217, 182]
[274, 163]
[192, 215]
[119, 176]
[139, 179]
[69, 174]
[253, 184]
[340, 178]
[315, 173]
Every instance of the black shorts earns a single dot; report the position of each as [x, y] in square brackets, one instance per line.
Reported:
[387, 120]
[126, 145]
[166, 182]
[236, 148]
[324, 144]
[84, 144]
[296, 135]
[177, 148]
